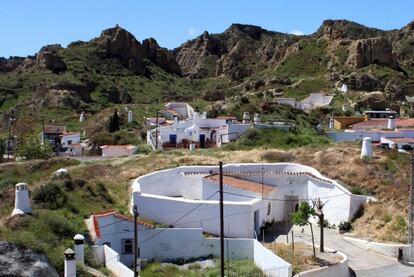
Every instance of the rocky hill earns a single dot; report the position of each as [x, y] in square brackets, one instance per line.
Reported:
[117, 68]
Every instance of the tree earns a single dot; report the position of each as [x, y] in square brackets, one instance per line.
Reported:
[114, 122]
[2, 149]
[301, 217]
[318, 206]
[32, 148]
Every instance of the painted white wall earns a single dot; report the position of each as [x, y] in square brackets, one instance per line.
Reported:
[168, 246]
[267, 260]
[114, 265]
[354, 135]
[74, 138]
[151, 193]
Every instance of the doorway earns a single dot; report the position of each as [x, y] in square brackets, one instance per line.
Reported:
[173, 138]
[202, 141]
[256, 222]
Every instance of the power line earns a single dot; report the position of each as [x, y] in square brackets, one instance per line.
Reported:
[282, 200]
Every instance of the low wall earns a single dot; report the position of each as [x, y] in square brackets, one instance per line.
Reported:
[338, 270]
[387, 249]
[271, 264]
[114, 265]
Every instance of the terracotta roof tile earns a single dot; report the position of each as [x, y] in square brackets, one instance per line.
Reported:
[117, 215]
[241, 184]
[126, 146]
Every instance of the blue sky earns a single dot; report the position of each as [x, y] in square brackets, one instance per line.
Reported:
[27, 25]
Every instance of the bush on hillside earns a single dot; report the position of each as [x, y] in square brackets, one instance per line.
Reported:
[32, 148]
[52, 196]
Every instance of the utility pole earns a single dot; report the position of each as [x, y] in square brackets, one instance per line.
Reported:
[221, 222]
[156, 132]
[410, 211]
[136, 250]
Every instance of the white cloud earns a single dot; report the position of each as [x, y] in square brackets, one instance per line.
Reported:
[191, 31]
[297, 32]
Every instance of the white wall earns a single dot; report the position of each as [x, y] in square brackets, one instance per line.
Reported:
[351, 135]
[114, 265]
[268, 261]
[175, 243]
[75, 138]
[151, 191]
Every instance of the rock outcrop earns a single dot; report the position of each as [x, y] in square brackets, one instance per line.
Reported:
[377, 50]
[161, 57]
[10, 64]
[48, 58]
[365, 82]
[195, 54]
[344, 29]
[121, 44]
[24, 262]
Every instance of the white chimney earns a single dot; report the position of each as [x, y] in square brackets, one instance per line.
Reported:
[70, 263]
[129, 116]
[176, 120]
[21, 201]
[192, 146]
[331, 123]
[82, 117]
[344, 88]
[256, 118]
[204, 115]
[391, 123]
[246, 118]
[196, 115]
[79, 247]
[366, 150]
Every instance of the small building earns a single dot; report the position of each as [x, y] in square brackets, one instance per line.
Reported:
[118, 150]
[181, 110]
[316, 100]
[343, 122]
[52, 133]
[379, 114]
[67, 139]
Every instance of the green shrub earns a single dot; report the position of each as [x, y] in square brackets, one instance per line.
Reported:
[50, 195]
[345, 226]
[32, 148]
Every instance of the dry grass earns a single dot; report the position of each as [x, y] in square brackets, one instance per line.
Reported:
[302, 258]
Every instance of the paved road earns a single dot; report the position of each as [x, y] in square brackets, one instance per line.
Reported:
[364, 263]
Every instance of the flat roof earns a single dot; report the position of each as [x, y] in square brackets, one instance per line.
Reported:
[241, 184]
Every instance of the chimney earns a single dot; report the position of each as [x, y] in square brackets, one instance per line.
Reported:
[246, 118]
[204, 115]
[331, 123]
[21, 201]
[256, 119]
[79, 247]
[391, 122]
[366, 150]
[70, 263]
[176, 120]
[129, 116]
[82, 117]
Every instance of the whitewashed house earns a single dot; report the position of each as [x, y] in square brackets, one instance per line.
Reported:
[113, 237]
[67, 139]
[118, 150]
[254, 194]
[181, 110]
[314, 100]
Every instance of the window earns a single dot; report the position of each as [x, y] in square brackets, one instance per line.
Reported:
[269, 208]
[127, 247]
[69, 142]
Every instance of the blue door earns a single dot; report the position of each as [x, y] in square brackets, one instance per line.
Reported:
[173, 139]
